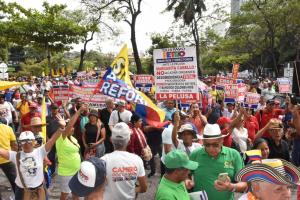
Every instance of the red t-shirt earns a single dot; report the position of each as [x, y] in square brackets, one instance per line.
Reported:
[263, 117]
[25, 120]
[252, 126]
[228, 139]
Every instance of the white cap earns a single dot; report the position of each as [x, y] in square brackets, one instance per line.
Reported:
[121, 131]
[186, 127]
[26, 135]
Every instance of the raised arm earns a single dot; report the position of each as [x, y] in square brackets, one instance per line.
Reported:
[175, 128]
[260, 133]
[56, 135]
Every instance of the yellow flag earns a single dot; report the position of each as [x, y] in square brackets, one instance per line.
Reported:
[120, 66]
[44, 109]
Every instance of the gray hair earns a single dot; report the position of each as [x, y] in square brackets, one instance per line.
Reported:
[119, 143]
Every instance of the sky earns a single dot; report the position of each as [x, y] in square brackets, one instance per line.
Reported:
[151, 20]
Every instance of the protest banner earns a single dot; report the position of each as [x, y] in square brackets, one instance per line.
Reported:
[60, 93]
[176, 73]
[230, 93]
[143, 82]
[222, 80]
[242, 89]
[251, 100]
[85, 92]
[284, 85]
[235, 70]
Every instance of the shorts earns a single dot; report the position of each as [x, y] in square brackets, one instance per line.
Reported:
[64, 183]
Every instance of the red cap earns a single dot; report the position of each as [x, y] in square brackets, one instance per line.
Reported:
[33, 105]
[223, 120]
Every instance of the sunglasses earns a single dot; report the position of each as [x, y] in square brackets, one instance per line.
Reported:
[26, 141]
[214, 145]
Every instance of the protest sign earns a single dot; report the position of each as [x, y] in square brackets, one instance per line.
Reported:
[284, 85]
[222, 80]
[251, 100]
[234, 92]
[60, 93]
[235, 70]
[176, 73]
[143, 82]
[242, 89]
[86, 94]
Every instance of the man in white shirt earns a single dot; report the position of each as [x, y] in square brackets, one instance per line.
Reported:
[269, 92]
[7, 111]
[119, 115]
[124, 170]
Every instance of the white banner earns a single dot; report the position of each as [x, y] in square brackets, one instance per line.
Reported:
[176, 73]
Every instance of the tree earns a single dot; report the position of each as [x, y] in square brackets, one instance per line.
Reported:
[190, 11]
[48, 30]
[121, 10]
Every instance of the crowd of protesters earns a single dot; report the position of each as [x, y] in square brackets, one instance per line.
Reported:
[104, 153]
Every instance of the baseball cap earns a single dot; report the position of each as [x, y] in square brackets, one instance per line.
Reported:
[26, 135]
[92, 174]
[121, 131]
[223, 120]
[179, 159]
[270, 101]
[121, 103]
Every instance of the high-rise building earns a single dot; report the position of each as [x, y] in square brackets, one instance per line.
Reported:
[236, 6]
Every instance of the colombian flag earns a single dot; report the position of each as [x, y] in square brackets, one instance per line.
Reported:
[116, 83]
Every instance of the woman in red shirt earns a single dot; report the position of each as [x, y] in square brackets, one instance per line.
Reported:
[137, 140]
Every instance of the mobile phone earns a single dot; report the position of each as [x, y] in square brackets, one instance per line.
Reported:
[222, 177]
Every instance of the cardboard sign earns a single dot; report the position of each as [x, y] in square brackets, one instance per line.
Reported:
[176, 73]
[60, 93]
[284, 85]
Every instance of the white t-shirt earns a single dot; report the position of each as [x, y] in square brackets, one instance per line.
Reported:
[122, 169]
[240, 136]
[5, 111]
[268, 94]
[227, 114]
[166, 139]
[31, 167]
[191, 148]
[114, 118]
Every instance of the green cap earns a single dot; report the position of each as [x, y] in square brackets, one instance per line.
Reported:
[179, 159]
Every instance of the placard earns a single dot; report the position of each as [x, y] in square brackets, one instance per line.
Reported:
[60, 93]
[284, 85]
[176, 73]
[235, 70]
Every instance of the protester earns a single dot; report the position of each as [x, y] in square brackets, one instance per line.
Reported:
[29, 164]
[8, 112]
[138, 142]
[228, 111]
[214, 159]
[25, 120]
[68, 154]
[262, 145]
[196, 118]
[119, 115]
[104, 117]
[270, 180]
[169, 109]
[89, 181]
[93, 136]
[278, 147]
[172, 185]
[124, 170]
[8, 142]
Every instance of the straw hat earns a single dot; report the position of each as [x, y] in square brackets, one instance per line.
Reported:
[36, 121]
[212, 131]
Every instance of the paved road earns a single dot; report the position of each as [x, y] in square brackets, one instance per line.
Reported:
[54, 191]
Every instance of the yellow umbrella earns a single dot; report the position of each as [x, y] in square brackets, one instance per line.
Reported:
[8, 84]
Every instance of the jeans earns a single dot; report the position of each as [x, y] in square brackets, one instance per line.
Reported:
[19, 193]
[9, 170]
[100, 150]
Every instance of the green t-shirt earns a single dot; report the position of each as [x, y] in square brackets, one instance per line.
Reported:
[168, 190]
[68, 156]
[228, 161]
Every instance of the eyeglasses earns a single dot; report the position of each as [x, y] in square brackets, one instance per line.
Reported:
[214, 145]
[26, 141]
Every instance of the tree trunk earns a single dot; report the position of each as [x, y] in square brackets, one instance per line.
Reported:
[82, 53]
[134, 47]
[197, 45]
